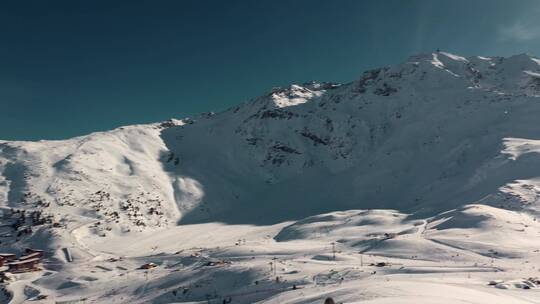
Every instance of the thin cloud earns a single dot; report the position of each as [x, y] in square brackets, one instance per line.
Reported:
[519, 32]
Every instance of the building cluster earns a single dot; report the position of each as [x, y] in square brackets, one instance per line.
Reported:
[9, 262]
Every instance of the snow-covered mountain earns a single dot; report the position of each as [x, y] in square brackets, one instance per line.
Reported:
[442, 139]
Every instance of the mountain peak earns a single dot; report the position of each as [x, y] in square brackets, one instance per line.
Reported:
[298, 94]
[437, 58]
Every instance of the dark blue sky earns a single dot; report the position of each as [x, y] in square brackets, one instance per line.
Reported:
[72, 67]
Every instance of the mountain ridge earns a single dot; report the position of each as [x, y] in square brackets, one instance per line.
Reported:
[411, 177]
[293, 133]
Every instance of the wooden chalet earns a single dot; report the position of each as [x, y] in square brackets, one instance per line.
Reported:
[24, 265]
[7, 257]
[31, 250]
[35, 255]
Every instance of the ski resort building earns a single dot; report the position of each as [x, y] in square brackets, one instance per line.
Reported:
[7, 257]
[24, 265]
[31, 250]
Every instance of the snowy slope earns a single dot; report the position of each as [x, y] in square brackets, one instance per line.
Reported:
[425, 135]
[430, 161]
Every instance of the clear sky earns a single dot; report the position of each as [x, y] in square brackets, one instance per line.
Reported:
[72, 67]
